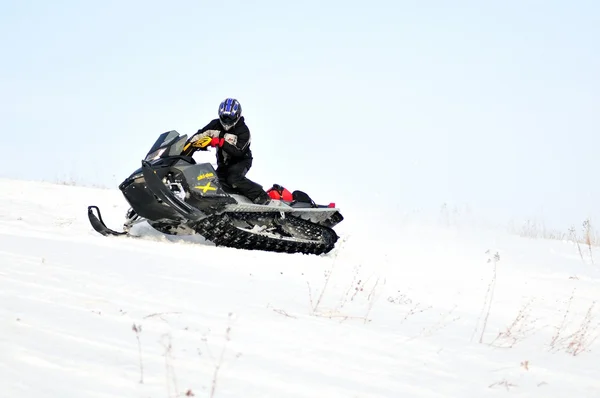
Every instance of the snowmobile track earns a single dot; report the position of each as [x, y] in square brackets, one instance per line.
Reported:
[220, 230]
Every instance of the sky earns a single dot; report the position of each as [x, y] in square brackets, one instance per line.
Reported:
[395, 104]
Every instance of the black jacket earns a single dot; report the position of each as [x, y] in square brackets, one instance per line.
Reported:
[236, 146]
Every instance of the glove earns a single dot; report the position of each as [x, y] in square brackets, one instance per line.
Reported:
[202, 142]
[204, 134]
[216, 141]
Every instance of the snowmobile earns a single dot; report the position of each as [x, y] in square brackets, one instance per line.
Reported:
[177, 196]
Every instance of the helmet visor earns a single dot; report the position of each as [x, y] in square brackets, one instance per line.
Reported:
[228, 120]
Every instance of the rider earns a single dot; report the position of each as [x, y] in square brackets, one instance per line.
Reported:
[230, 135]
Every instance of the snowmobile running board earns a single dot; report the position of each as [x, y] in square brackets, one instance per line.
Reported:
[98, 223]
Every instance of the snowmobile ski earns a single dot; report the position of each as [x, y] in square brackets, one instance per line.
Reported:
[99, 225]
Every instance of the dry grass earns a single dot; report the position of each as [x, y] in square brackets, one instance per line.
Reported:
[359, 288]
[537, 230]
[584, 336]
[416, 308]
[585, 238]
[520, 328]
[580, 338]
[586, 235]
[444, 320]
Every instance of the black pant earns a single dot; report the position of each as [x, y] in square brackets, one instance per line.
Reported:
[234, 176]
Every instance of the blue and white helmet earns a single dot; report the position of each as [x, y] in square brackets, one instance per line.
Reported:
[230, 112]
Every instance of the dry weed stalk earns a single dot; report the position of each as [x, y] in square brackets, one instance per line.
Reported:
[219, 362]
[581, 339]
[561, 327]
[519, 329]
[138, 329]
[327, 274]
[160, 315]
[587, 227]
[489, 297]
[574, 238]
[403, 299]
[439, 325]
[284, 313]
[584, 336]
[170, 370]
[415, 310]
[332, 314]
[371, 301]
[589, 238]
[356, 287]
[281, 311]
[504, 383]
[213, 387]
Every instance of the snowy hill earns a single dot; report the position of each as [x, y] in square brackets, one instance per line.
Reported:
[412, 311]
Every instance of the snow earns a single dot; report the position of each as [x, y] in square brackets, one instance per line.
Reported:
[408, 310]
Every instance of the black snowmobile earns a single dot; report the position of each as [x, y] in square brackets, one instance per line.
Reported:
[177, 196]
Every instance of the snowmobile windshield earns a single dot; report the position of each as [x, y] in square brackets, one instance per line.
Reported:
[167, 144]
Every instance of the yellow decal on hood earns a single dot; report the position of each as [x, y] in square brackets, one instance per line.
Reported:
[205, 175]
[205, 188]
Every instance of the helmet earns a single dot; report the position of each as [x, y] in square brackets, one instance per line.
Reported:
[230, 112]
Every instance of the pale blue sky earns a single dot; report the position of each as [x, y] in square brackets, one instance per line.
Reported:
[494, 105]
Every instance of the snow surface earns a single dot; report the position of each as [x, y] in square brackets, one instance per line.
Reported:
[407, 310]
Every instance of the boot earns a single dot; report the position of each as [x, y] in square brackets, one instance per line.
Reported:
[262, 199]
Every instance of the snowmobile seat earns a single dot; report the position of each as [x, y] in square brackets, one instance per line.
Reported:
[301, 199]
